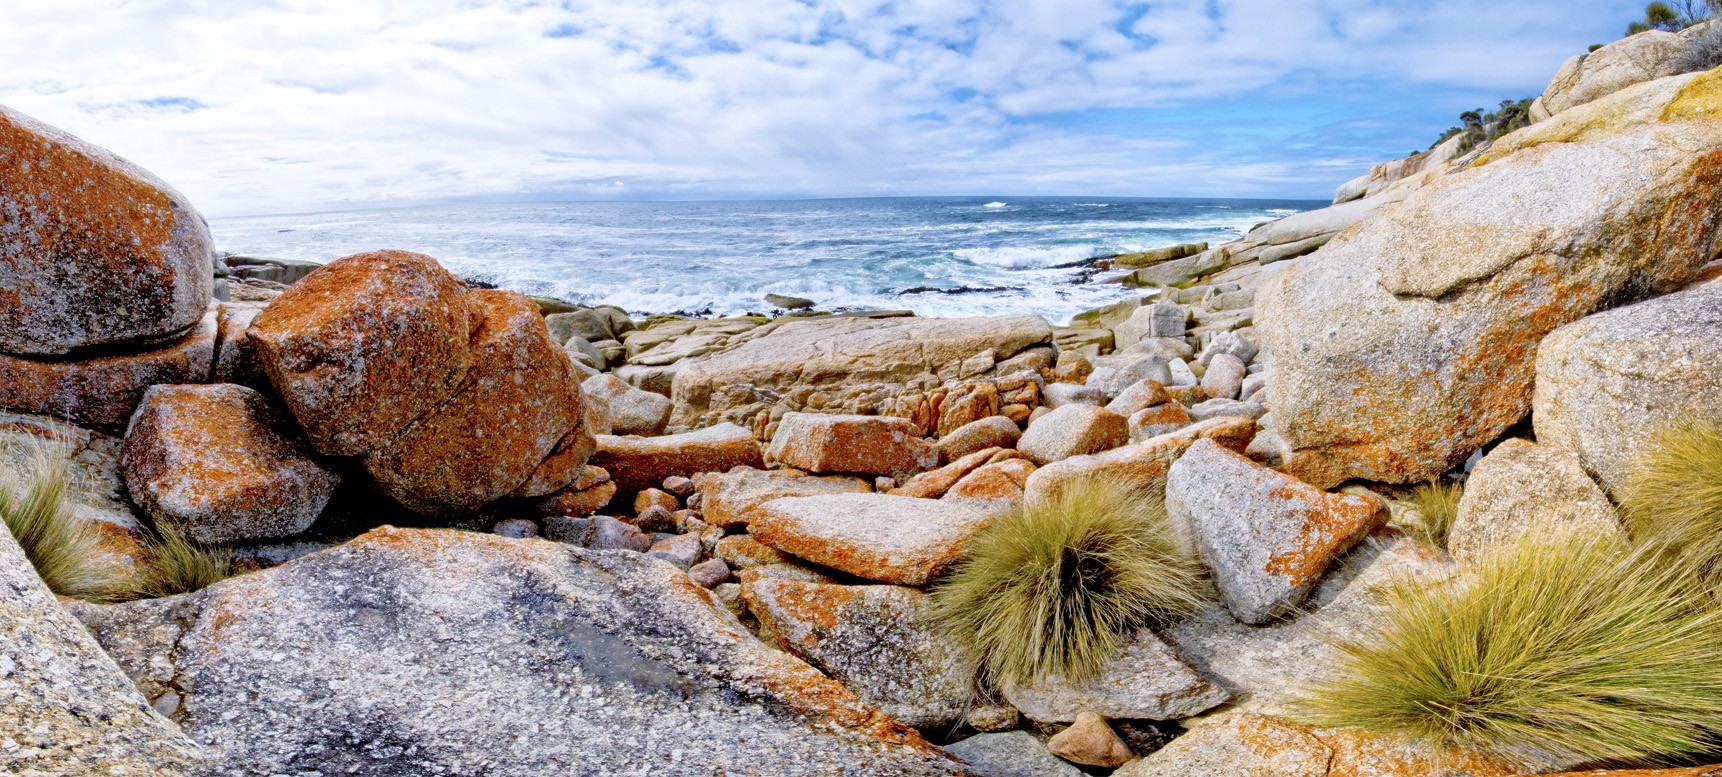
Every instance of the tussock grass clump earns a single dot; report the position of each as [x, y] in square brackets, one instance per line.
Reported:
[67, 551]
[1438, 502]
[1055, 586]
[1562, 645]
[1673, 497]
[178, 565]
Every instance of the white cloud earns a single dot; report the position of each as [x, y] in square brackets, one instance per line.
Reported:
[298, 104]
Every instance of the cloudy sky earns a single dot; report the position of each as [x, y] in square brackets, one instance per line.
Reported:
[297, 105]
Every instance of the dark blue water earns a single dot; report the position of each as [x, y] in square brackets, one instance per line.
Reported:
[720, 257]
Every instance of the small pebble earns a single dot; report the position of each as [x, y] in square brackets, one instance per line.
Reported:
[709, 573]
[680, 486]
[518, 528]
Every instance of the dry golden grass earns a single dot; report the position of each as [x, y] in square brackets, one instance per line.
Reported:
[1054, 587]
[1673, 497]
[177, 565]
[1438, 503]
[1560, 645]
[67, 551]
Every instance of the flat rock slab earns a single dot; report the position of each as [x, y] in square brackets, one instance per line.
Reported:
[1267, 537]
[220, 464]
[93, 249]
[876, 639]
[1010, 754]
[731, 499]
[1145, 681]
[855, 444]
[1244, 744]
[102, 391]
[417, 652]
[1144, 463]
[892, 539]
[637, 463]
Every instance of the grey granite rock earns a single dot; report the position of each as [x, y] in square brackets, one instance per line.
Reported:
[1522, 489]
[1147, 680]
[1010, 754]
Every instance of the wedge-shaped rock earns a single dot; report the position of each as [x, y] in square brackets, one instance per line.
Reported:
[644, 462]
[990, 432]
[1145, 681]
[875, 639]
[857, 444]
[995, 487]
[220, 464]
[518, 400]
[892, 539]
[417, 652]
[1073, 430]
[1524, 489]
[103, 391]
[1144, 463]
[68, 708]
[1267, 537]
[731, 499]
[1409, 342]
[93, 249]
[365, 345]
[1607, 384]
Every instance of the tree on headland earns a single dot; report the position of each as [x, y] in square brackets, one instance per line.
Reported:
[1674, 16]
[1482, 126]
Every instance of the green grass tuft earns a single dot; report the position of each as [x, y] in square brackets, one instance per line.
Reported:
[1438, 503]
[1673, 497]
[1561, 645]
[67, 551]
[179, 565]
[1054, 586]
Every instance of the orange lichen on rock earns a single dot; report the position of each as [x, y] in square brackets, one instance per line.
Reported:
[103, 391]
[858, 444]
[644, 462]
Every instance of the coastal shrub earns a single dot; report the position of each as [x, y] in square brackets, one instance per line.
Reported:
[1673, 16]
[1704, 52]
[176, 564]
[1672, 496]
[66, 550]
[1056, 585]
[1566, 646]
[1438, 503]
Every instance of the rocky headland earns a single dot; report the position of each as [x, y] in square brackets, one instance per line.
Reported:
[485, 534]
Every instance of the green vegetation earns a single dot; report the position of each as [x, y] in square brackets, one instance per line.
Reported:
[1673, 16]
[1479, 126]
[178, 565]
[1055, 586]
[1561, 645]
[66, 550]
[1673, 497]
[1438, 503]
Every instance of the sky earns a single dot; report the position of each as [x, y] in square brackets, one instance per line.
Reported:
[306, 105]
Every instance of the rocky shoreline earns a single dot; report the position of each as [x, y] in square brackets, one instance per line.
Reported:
[482, 533]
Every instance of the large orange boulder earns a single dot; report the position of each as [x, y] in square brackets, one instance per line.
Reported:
[856, 444]
[93, 249]
[219, 464]
[103, 391]
[366, 345]
[518, 401]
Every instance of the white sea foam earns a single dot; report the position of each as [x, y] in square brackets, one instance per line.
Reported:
[996, 204]
[1017, 257]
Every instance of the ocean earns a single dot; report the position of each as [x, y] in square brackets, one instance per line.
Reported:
[937, 256]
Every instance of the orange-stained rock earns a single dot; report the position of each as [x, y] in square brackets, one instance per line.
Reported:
[892, 539]
[934, 484]
[1090, 742]
[966, 405]
[365, 345]
[993, 432]
[235, 356]
[1154, 421]
[858, 444]
[219, 464]
[519, 399]
[564, 466]
[994, 487]
[731, 499]
[1694, 771]
[582, 501]
[1267, 537]
[1245, 744]
[93, 249]
[644, 462]
[103, 391]
[656, 497]
[1144, 463]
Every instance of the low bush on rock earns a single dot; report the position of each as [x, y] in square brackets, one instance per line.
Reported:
[1561, 647]
[1673, 497]
[1055, 586]
[179, 565]
[66, 550]
[1438, 503]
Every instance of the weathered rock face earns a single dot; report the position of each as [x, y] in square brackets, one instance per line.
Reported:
[1011, 754]
[1073, 430]
[366, 345]
[103, 391]
[1632, 60]
[1144, 463]
[858, 444]
[1250, 745]
[891, 539]
[220, 465]
[1267, 537]
[68, 708]
[644, 462]
[1524, 489]
[993, 487]
[631, 410]
[518, 399]
[732, 499]
[1607, 383]
[829, 354]
[441, 652]
[93, 249]
[990, 432]
[875, 639]
[1408, 343]
[1146, 680]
